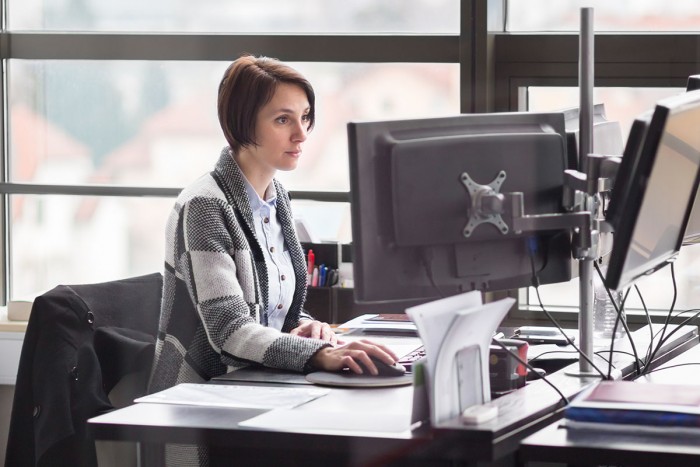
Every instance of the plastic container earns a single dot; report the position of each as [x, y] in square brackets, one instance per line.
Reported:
[604, 313]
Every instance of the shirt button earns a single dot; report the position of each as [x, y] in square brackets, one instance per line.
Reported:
[279, 307]
[266, 220]
[272, 249]
[283, 277]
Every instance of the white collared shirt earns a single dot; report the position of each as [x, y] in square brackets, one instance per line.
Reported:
[280, 273]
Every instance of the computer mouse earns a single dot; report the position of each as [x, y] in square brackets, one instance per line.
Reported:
[396, 369]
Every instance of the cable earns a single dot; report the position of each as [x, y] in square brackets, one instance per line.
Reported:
[651, 330]
[535, 282]
[549, 352]
[667, 321]
[665, 339]
[531, 368]
[426, 262]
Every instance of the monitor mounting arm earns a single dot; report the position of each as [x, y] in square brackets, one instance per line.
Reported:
[489, 206]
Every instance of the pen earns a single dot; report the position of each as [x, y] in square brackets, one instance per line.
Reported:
[314, 277]
[322, 271]
[332, 277]
[311, 258]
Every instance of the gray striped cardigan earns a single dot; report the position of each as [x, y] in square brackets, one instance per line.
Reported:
[213, 312]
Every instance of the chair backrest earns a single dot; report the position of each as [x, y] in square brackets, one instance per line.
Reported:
[80, 341]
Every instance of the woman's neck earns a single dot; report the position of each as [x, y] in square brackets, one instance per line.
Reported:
[257, 176]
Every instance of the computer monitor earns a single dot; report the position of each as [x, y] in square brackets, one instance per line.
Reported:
[692, 230]
[410, 207]
[623, 183]
[653, 211]
[607, 134]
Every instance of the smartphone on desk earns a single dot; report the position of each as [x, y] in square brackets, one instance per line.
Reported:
[543, 335]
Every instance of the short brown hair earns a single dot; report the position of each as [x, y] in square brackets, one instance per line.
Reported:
[248, 84]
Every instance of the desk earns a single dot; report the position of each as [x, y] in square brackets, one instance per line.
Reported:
[553, 444]
[520, 413]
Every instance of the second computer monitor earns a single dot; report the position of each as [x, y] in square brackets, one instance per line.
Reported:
[652, 211]
[410, 205]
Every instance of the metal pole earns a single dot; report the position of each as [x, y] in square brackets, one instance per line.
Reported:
[586, 61]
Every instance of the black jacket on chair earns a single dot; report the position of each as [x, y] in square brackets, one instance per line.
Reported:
[80, 341]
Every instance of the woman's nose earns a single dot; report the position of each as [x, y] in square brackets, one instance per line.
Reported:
[300, 131]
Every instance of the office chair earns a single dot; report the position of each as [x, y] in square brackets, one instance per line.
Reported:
[87, 349]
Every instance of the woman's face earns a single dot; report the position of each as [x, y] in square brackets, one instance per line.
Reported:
[280, 130]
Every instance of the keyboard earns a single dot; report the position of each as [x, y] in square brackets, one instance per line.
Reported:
[419, 352]
[414, 355]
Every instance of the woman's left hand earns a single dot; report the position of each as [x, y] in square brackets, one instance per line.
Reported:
[315, 330]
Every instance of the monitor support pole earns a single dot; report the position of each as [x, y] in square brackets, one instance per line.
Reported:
[586, 83]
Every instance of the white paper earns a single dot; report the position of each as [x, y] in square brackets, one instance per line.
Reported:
[448, 326]
[388, 326]
[233, 396]
[433, 319]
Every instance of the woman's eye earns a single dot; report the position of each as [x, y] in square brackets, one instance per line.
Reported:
[282, 119]
[306, 118]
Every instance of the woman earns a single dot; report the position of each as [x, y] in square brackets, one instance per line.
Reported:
[235, 275]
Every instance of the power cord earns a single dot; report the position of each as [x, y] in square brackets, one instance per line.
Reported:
[663, 340]
[531, 368]
[666, 321]
[532, 245]
[651, 330]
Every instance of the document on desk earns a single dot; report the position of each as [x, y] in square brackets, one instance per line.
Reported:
[369, 322]
[232, 396]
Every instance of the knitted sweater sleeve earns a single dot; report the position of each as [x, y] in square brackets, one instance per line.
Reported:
[216, 263]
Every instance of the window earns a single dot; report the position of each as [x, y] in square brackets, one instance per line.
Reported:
[237, 16]
[111, 109]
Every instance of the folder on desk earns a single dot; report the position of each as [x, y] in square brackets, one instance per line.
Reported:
[456, 333]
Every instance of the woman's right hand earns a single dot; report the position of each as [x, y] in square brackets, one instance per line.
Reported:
[347, 356]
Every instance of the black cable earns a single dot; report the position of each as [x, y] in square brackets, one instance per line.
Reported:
[651, 330]
[426, 262]
[665, 339]
[531, 368]
[618, 319]
[535, 281]
[549, 352]
[667, 321]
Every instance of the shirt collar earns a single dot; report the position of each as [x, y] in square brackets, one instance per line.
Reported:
[255, 201]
